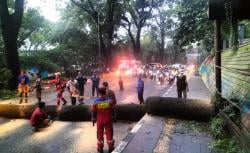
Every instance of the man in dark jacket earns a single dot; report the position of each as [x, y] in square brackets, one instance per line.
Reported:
[182, 86]
[81, 81]
[95, 84]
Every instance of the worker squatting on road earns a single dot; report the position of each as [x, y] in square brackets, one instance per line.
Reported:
[39, 118]
[60, 85]
[23, 86]
[102, 111]
[140, 89]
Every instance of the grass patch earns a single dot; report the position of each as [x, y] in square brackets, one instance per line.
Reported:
[224, 143]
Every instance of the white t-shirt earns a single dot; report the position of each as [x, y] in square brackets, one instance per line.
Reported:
[71, 85]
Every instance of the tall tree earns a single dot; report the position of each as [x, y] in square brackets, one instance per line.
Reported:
[34, 26]
[138, 12]
[10, 25]
[194, 25]
[106, 15]
[162, 28]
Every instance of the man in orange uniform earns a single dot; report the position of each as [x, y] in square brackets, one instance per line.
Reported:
[23, 86]
[60, 85]
[102, 111]
[109, 93]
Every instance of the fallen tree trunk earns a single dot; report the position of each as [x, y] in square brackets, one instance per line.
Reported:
[129, 112]
[192, 109]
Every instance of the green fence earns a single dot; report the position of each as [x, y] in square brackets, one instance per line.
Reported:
[235, 73]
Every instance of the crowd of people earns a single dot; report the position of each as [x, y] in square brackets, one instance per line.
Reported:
[103, 112]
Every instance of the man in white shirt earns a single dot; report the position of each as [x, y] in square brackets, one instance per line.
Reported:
[72, 89]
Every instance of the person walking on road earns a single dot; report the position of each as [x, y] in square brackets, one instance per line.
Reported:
[81, 81]
[60, 85]
[102, 114]
[71, 86]
[182, 86]
[121, 83]
[140, 89]
[95, 84]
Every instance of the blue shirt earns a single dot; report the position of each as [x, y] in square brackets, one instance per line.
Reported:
[23, 79]
[140, 86]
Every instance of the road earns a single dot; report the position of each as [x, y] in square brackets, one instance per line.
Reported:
[129, 95]
[16, 136]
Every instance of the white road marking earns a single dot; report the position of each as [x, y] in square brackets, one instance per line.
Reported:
[166, 93]
[120, 147]
[136, 128]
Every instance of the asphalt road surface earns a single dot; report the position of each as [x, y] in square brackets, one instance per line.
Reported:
[129, 95]
[16, 136]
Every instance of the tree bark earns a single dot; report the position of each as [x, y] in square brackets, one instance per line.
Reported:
[162, 44]
[137, 47]
[10, 24]
[110, 30]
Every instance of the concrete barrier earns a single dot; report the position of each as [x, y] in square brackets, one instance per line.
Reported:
[193, 109]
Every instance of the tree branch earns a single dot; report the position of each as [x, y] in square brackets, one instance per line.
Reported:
[81, 6]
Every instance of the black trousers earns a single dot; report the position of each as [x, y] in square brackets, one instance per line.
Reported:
[95, 88]
[140, 97]
[81, 93]
[182, 93]
[38, 95]
[73, 100]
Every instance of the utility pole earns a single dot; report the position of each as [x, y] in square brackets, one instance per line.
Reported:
[218, 49]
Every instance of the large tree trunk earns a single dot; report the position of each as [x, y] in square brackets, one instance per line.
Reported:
[137, 47]
[103, 48]
[162, 45]
[10, 24]
[110, 30]
[11, 56]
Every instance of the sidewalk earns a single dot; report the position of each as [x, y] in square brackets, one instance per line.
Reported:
[188, 136]
[153, 134]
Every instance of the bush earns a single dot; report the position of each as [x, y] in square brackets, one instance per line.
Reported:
[38, 60]
[223, 142]
[7, 94]
[4, 77]
[226, 145]
[216, 126]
